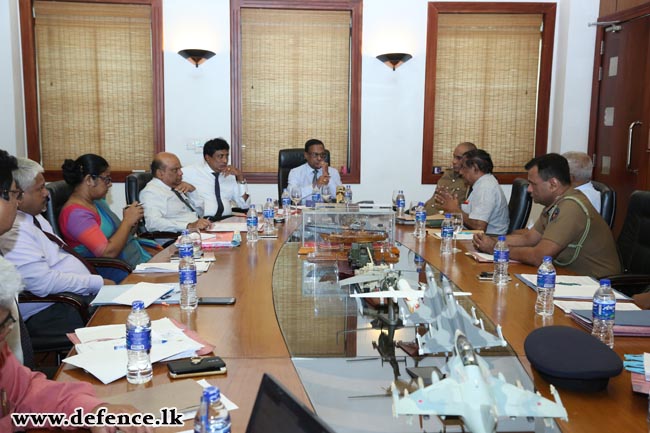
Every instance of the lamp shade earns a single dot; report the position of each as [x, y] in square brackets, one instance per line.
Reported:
[394, 60]
[196, 56]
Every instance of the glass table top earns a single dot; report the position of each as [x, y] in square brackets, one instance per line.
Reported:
[347, 358]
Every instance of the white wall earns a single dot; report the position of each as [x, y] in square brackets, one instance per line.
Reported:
[197, 101]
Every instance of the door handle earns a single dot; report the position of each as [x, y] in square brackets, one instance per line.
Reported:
[629, 146]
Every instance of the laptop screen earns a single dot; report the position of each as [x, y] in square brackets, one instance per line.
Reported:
[277, 410]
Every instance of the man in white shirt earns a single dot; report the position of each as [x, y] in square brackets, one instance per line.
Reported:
[581, 167]
[170, 205]
[45, 267]
[486, 207]
[217, 183]
[315, 172]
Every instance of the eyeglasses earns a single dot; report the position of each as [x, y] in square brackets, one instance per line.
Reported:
[8, 323]
[106, 179]
[18, 193]
[318, 155]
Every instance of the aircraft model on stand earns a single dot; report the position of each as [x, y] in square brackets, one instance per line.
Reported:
[473, 393]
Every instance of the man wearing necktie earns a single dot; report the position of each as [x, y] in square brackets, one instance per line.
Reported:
[46, 267]
[316, 172]
[219, 185]
[170, 204]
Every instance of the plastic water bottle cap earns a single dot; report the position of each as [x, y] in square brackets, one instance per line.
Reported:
[548, 258]
[447, 215]
[420, 203]
[605, 282]
[211, 393]
[137, 305]
[185, 232]
[502, 238]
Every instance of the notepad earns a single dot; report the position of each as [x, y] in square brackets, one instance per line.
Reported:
[152, 268]
[569, 286]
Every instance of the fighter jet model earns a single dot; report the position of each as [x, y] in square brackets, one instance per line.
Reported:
[473, 393]
[440, 312]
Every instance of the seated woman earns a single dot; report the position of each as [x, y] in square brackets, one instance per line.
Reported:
[88, 224]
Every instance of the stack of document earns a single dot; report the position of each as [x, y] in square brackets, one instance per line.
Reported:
[149, 293]
[626, 323]
[217, 239]
[569, 286]
[102, 349]
[484, 257]
[152, 268]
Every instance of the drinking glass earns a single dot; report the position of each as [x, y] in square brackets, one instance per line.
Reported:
[457, 222]
[296, 196]
[326, 193]
[195, 235]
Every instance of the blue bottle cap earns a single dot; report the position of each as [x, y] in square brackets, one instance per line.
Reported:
[137, 305]
[548, 258]
[447, 215]
[185, 232]
[211, 393]
[605, 282]
[502, 238]
[420, 203]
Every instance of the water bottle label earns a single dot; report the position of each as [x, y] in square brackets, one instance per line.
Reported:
[421, 216]
[269, 213]
[546, 281]
[401, 203]
[447, 232]
[286, 201]
[186, 250]
[501, 256]
[251, 221]
[348, 195]
[138, 339]
[187, 276]
[315, 197]
[604, 310]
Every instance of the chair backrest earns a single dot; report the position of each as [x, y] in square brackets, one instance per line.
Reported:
[634, 241]
[519, 205]
[607, 201]
[59, 191]
[288, 159]
[134, 184]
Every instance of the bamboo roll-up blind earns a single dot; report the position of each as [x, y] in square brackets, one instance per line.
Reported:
[486, 86]
[95, 88]
[295, 81]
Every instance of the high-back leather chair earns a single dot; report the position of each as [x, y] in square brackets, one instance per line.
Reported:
[288, 159]
[519, 205]
[134, 184]
[59, 191]
[607, 201]
[634, 246]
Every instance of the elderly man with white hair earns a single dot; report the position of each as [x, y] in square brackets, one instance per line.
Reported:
[25, 391]
[581, 168]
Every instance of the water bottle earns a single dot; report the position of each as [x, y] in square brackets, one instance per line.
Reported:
[212, 416]
[187, 272]
[286, 203]
[347, 197]
[400, 202]
[315, 195]
[252, 234]
[138, 344]
[545, 287]
[501, 259]
[446, 235]
[269, 214]
[420, 222]
[604, 310]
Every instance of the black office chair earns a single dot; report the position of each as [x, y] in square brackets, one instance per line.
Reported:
[135, 182]
[519, 205]
[634, 247]
[607, 202]
[288, 159]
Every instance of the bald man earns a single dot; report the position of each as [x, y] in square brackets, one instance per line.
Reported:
[169, 203]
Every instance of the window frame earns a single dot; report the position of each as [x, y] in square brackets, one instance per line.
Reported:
[30, 82]
[548, 11]
[355, 9]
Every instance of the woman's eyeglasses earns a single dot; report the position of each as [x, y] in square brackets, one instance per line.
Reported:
[106, 179]
[18, 193]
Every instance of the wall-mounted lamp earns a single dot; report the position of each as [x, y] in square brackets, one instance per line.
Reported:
[394, 60]
[196, 57]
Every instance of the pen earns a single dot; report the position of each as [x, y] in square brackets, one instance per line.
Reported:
[568, 284]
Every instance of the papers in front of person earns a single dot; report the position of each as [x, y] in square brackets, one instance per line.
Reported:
[569, 286]
[568, 306]
[484, 257]
[149, 293]
[102, 349]
[465, 235]
[152, 268]
[226, 226]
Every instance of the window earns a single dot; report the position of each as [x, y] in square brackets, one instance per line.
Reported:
[488, 82]
[296, 76]
[93, 81]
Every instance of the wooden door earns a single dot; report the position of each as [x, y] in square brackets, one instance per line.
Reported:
[620, 112]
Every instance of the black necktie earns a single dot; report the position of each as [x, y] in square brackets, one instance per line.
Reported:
[217, 193]
[315, 179]
[65, 247]
[181, 198]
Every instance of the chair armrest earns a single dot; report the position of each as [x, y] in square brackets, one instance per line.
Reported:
[77, 301]
[105, 262]
[630, 284]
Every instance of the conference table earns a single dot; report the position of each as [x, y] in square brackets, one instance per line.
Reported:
[260, 333]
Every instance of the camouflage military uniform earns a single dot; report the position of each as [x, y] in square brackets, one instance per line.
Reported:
[454, 184]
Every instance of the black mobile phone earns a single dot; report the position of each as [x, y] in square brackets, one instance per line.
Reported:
[196, 366]
[216, 301]
[485, 276]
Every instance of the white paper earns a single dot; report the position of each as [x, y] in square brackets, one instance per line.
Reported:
[104, 332]
[230, 405]
[568, 306]
[462, 236]
[227, 227]
[147, 268]
[146, 292]
[572, 286]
